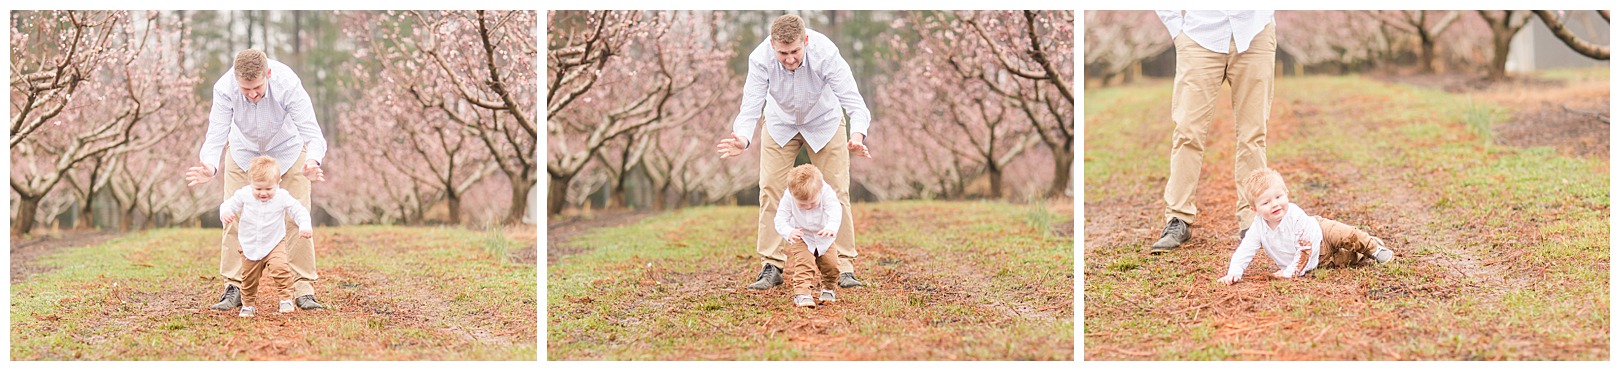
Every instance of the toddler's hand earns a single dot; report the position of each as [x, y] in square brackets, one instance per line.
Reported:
[306, 234]
[827, 233]
[1231, 279]
[227, 218]
[796, 236]
[1285, 273]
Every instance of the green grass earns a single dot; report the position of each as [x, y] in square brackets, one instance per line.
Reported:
[1503, 251]
[947, 280]
[394, 293]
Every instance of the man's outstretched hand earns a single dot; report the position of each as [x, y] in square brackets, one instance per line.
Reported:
[857, 147]
[731, 146]
[313, 171]
[200, 174]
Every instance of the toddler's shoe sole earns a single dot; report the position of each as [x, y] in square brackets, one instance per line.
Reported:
[804, 301]
[1383, 255]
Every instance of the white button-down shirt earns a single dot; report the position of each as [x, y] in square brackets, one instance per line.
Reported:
[828, 215]
[279, 126]
[260, 226]
[804, 101]
[1217, 29]
[1294, 233]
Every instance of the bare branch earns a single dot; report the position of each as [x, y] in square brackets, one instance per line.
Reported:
[1556, 25]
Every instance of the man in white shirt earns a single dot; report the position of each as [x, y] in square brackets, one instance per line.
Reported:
[261, 109]
[797, 81]
[1236, 47]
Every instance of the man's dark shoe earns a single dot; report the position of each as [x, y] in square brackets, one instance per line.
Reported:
[847, 280]
[231, 299]
[769, 277]
[1175, 233]
[307, 302]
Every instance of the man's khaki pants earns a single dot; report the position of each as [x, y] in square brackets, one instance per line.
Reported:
[1343, 245]
[774, 163]
[1199, 74]
[804, 266]
[274, 266]
[300, 251]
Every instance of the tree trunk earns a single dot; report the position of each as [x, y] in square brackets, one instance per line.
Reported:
[1501, 39]
[1062, 172]
[617, 198]
[249, 28]
[1502, 30]
[1426, 56]
[87, 211]
[660, 200]
[297, 36]
[24, 222]
[520, 202]
[685, 199]
[230, 41]
[994, 172]
[557, 195]
[452, 200]
[264, 30]
[127, 221]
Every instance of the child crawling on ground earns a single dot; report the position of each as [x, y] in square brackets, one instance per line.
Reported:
[808, 217]
[1296, 241]
[260, 210]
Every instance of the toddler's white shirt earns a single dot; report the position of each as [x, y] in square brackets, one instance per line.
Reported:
[260, 226]
[1295, 232]
[827, 215]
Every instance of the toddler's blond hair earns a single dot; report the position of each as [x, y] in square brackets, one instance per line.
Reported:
[1261, 179]
[804, 182]
[266, 169]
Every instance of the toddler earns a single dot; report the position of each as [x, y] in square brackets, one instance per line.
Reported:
[1296, 241]
[808, 216]
[259, 211]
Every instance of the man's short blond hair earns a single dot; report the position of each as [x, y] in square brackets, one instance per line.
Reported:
[804, 182]
[1259, 180]
[787, 29]
[264, 169]
[251, 65]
